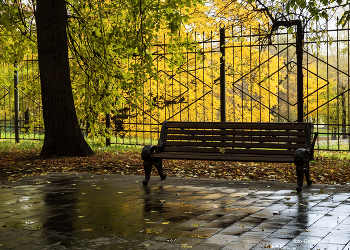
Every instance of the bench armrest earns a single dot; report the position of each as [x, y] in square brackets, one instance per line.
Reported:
[148, 150]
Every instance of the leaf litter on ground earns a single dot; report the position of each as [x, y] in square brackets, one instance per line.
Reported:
[330, 168]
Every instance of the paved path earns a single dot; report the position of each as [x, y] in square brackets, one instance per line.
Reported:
[70, 211]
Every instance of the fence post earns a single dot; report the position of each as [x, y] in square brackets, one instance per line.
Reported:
[300, 87]
[222, 76]
[16, 104]
[108, 126]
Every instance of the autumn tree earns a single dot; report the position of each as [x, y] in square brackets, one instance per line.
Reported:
[102, 36]
[62, 132]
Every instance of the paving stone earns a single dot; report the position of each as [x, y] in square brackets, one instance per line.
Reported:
[221, 239]
[314, 231]
[207, 246]
[203, 233]
[328, 246]
[150, 244]
[269, 242]
[286, 233]
[236, 229]
[238, 245]
[337, 238]
[252, 237]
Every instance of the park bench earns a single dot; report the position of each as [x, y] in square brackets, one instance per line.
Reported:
[233, 141]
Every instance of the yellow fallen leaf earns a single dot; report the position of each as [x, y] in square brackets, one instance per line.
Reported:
[185, 246]
[197, 225]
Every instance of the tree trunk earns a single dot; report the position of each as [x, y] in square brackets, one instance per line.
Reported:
[63, 136]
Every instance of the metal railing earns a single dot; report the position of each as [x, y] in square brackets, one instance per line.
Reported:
[232, 78]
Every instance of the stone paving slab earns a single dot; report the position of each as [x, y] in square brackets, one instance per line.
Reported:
[84, 211]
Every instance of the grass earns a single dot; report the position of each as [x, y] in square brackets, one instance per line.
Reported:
[8, 146]
[333, 155]
[333, 145]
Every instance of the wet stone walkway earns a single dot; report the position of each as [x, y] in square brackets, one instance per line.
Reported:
[71, 211]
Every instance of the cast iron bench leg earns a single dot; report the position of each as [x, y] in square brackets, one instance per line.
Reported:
[307, 174]
[159, 166]
[147, 165]
[300, 177]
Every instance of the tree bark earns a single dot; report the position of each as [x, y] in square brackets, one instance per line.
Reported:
[63, 136]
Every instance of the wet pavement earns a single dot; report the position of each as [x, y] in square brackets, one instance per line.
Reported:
[84, 211]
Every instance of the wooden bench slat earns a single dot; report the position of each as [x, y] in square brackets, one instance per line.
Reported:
[225, 157]
[229, 151]
[236, 125]
[236, 138]
[234, 132]
[234, 145]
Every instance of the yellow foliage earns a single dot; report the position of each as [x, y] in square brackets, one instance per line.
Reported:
[191, 91]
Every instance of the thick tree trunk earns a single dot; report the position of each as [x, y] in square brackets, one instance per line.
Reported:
[63, 136]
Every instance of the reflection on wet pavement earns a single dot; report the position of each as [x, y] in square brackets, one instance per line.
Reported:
[70, 211]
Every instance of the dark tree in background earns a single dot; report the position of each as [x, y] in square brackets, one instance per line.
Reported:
[63, 136]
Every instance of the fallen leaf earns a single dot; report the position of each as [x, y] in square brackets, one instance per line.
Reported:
[197, 225]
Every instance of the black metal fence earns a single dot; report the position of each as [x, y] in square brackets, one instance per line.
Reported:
[231, 76]
[20, 101]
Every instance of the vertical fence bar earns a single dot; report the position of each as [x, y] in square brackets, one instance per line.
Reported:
[348, 62]
[16, 104]
[250, 91]
[195, 80]
[232, 87]
[328, 89]
[259, 77]
[300, 92]
[212, 73]
[108, 126]
[241, 72]
[222, 76]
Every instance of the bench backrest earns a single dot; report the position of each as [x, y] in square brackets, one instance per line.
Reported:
[243, 138]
